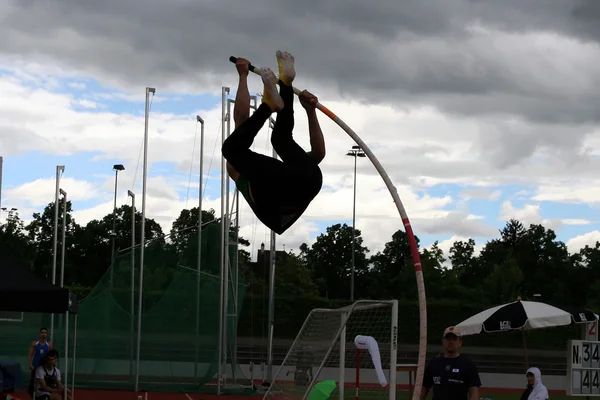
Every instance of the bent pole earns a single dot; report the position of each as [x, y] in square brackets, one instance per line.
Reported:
[409, 233]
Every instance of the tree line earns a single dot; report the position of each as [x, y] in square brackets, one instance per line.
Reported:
[522, 261]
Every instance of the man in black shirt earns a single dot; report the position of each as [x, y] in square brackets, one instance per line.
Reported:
[452, 376]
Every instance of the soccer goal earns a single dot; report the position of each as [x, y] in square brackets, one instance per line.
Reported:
[355, 346]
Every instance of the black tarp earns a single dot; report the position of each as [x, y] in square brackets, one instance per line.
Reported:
[22, 291]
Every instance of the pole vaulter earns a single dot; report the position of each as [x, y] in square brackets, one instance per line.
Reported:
[409, 233]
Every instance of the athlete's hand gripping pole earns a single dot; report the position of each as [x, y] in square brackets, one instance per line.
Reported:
[297, 91]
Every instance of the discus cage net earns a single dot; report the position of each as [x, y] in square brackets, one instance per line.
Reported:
[174, 356]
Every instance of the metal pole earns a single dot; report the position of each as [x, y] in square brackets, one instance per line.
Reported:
[236, 197]
[224, 92]
[394, 349]
[59, 169]
[132, 305]
[271, 309]
[142, 238]
[74, 355]
[237, 279]
[353, 234]
[62, 243]
[64, 323]
[199, 262]
[271, 302]
[226, 264]
[342, 362]
[66, 371]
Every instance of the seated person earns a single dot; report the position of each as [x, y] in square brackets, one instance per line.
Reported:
[48, 384]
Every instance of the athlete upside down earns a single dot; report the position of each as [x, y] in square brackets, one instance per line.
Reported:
[278, 191]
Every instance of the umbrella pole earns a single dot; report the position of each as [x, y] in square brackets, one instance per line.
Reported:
[525, 349]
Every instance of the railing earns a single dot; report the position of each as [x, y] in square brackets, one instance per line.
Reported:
[490, 361]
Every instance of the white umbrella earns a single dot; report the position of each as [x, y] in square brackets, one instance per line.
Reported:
[523, 315]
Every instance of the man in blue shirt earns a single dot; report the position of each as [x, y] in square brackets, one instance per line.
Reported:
[37, 350]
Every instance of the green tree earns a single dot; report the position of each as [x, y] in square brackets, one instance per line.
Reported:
[504, 283]
[433, 275]
[14, 241]
[467, 273]
[294, 277]
[385, 278]
[186, 226]
[464, 262]
[93, 243]
[40, 231]
[330, 259]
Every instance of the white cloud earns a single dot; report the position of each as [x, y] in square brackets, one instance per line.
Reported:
[62, 129]
[77, 85]
[481, 194]
[580, 241]
[529, 214]
[88, 104]
[418, 147]
[446, 245]
[576, 191]
[576, 221]
[42, 191]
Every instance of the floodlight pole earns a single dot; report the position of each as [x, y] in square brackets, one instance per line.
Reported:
[116, 168]
[355, 152]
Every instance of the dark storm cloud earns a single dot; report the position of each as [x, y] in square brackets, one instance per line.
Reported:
[407, 52]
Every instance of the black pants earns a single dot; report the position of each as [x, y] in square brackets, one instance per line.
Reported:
[292, 182]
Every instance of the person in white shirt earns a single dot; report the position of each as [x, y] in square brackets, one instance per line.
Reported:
[48, 384]
[535, 388]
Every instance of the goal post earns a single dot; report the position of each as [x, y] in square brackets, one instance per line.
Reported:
[332, 345]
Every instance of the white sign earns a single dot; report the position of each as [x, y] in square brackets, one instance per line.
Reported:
[583, 368]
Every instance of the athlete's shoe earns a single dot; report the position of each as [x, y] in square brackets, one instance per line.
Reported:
[270, 94]
[285, 62]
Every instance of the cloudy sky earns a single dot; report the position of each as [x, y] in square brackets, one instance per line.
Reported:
[479, 110]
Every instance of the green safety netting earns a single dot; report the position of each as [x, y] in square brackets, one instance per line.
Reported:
[180, 320]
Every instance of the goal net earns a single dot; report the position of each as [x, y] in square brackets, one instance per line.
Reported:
[355, 346]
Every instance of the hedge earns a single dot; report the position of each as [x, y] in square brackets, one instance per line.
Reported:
[290, 313]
